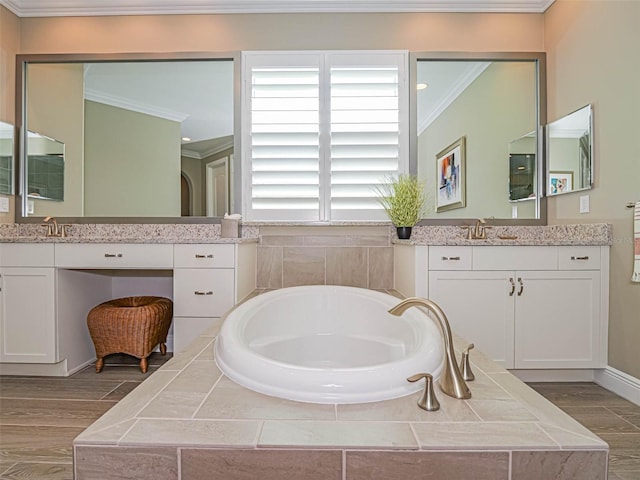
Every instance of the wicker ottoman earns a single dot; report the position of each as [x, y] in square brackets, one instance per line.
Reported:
[131, 325]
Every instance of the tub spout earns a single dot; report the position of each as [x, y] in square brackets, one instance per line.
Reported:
[451, 381]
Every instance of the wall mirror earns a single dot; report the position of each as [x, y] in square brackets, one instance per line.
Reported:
[6, 158]
[570, 152]
[146, 137]
[495, 104]
[45, 168]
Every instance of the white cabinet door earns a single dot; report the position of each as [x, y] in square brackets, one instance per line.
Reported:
[27, 315]
[479, 306]
[558, 320]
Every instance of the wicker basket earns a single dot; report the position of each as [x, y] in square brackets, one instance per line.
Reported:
[131, 325]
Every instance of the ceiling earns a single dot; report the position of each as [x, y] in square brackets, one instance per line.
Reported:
[54, 8]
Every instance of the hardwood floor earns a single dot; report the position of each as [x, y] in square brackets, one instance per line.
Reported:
[40, 417]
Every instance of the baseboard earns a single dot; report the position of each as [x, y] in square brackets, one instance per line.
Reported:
[619, 383]
[555, 375]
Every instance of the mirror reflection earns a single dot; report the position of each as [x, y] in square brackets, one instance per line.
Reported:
[6, 158]
[139, 136]
[493, 106]
[570, 152]
[45, 167]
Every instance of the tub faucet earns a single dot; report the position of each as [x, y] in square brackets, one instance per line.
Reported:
[451, 381]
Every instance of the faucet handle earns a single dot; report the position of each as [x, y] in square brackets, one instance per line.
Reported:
[469, 231]
[63, 229]
[465, 365]
[428, 400]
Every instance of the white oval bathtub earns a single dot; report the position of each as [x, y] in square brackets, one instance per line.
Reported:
[327, 344]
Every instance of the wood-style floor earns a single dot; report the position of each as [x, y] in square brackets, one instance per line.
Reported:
[40, 417]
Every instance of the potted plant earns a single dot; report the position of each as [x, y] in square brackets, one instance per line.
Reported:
[402, 198]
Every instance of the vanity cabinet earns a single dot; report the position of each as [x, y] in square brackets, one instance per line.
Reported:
[526, 307]
[28, 330]
[208, 280]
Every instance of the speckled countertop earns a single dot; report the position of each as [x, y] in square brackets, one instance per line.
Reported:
[579, 234]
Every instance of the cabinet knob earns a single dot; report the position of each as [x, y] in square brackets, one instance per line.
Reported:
[586, 257]
[199, 255]
[450, 258]
[197, 292]
[513, 287]
[112, 255]
[521, 286]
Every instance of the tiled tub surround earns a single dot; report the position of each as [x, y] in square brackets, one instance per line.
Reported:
[187, 421]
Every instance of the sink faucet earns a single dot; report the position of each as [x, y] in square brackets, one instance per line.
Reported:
[477, 232]
[451, 381]
[52, 227]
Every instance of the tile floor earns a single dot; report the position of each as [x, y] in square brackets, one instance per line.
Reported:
[40, 417]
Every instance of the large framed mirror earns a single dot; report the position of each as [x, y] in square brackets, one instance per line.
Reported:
[496, 105]
[147, 137]
[570, 152]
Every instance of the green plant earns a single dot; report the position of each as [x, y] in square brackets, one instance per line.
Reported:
[403, 199]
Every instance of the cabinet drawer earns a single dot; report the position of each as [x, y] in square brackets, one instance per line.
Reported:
[450, 258]
[515, 258]
[202, 292]
[26, 255]
[203, 255]
[579, 258]
[114, 255]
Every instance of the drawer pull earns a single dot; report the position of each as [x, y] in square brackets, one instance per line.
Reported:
[112, 255]
[450, 258]
[203, 293]
[199, 255]
[521, 286]
[586, 257]
[513, 287]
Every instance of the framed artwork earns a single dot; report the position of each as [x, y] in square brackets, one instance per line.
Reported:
[560, 182]
[451, 171]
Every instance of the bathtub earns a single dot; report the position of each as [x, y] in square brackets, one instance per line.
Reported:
[327, 344]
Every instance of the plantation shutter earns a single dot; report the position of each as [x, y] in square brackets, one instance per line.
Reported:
[321, 130]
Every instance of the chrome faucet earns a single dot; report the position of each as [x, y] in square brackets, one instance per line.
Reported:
[451, 381]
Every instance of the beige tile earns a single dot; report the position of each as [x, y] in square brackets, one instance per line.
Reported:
[325, 240]
[436, 465]
[281, 240]
[229, 400]
[198, 464]
[369, 240]
[500, 410]
[120, 463]
[109, 435]
[337, 435]
[489, 435]
[571, 441]
[210, 433]
[303, 266]
[380, 267]
[269, 268]
[173, 405]
[347, 266]
[405, 409]
[559, 465]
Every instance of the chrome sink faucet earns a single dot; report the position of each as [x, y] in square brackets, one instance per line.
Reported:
[451, 381]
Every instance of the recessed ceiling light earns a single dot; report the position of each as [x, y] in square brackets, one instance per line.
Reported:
[186, 139]
[421, 86]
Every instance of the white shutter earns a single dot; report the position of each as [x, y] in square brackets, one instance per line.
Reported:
[319, 140]
[368, 130]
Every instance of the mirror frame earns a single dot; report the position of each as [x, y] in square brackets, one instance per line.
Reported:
[541, 96]
[23, 60]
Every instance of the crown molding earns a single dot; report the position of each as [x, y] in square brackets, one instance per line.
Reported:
[59, 8]
[139, 107]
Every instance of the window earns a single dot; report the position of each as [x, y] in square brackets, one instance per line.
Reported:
[321, 131]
